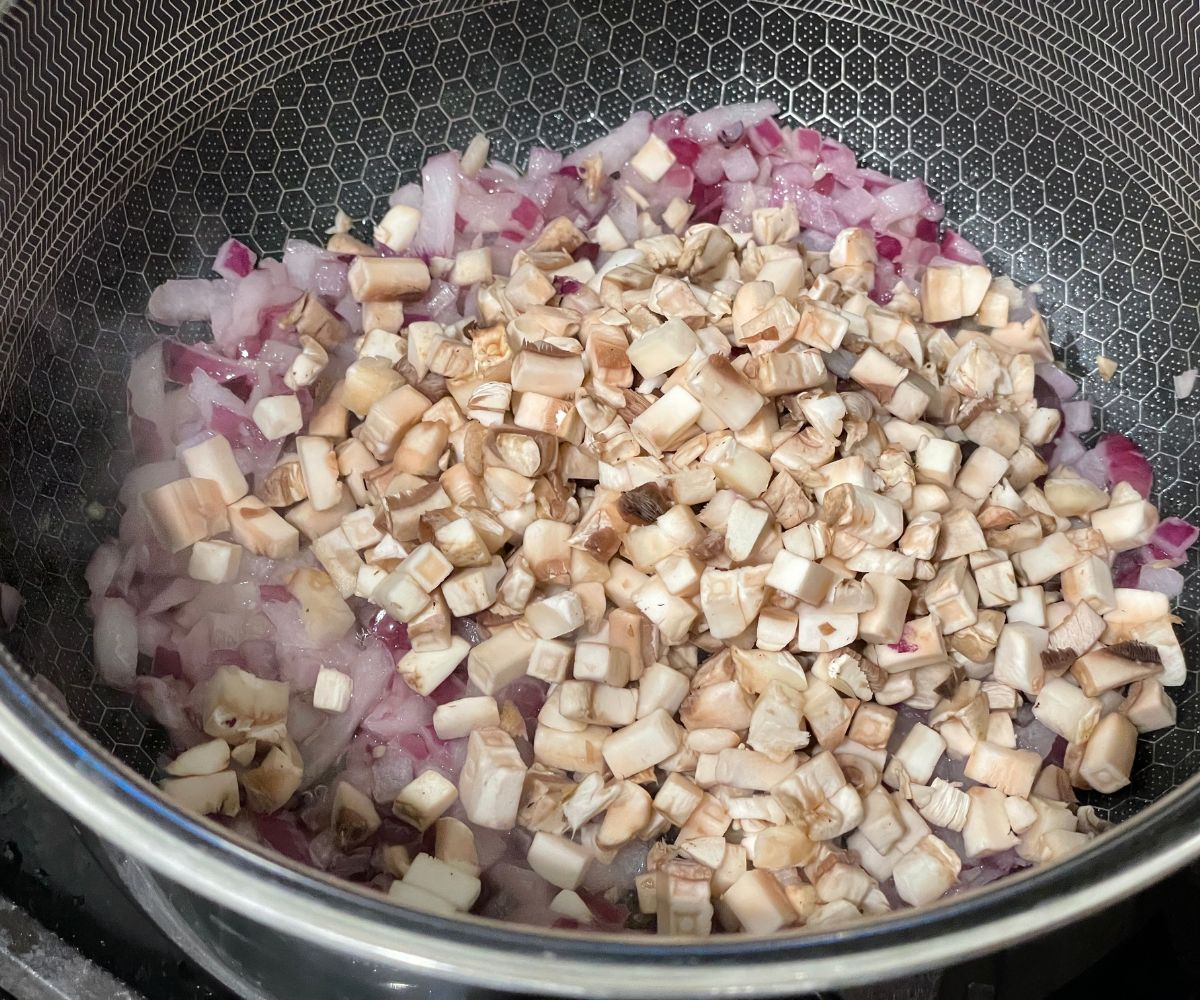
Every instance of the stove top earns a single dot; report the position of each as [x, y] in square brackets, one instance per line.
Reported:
[68, 932]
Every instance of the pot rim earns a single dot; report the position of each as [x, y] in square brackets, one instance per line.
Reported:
[124, 809]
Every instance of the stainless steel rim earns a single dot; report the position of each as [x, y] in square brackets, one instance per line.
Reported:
[123, 809]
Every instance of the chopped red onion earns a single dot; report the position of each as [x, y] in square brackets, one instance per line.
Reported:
[959, 250]
[370, 671]
[1077, 416]
[114, 642]
[741, 166]
[251, 315]
[926, 230]
[686, 151]
[706, 126]
[900, 201]
[439, 194]
[888, 247]
[102, 567]
[609, 916]
[166, 662]
[709, 168]
[1125, 463]
[1093, 467]
[273, 593]
[527, 215]
[855, 206]
[281, 832]
[543, 162]
[669, 125]
[823, 183]
[528, 694]
[841, 163]
[989, 869]
[807, 143]
[1173, 537]
[166, 699]
[407, 194]
[765, 137]
[182, 361]
[615, 148]
[10, 604]
[817, 213]
[1060, 382]
[391, 770]
[1067, 450]
[182, 300]
[1162, 579]
[176, 592]
[234, 260]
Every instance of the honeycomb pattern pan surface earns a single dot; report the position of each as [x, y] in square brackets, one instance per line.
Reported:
[1064, 142]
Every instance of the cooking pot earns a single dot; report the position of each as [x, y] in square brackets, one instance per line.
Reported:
[135, 137]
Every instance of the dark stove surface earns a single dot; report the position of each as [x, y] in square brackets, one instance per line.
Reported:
[68, 932]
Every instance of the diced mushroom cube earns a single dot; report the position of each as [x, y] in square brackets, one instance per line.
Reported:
[684, 903]
[379, 279]
[1011, 771]
[500, 659]
[204, 758]
[238, 706]
[1019, 657]
[213, 460]
[1108, 756]
[492, 779]
[456, 719]
[424, 799]
[332, 691]
[597, 661]
[353, 817]
[560, 861]
[261, 530]
[214, 561]
[326, 615]
[1090, 580]
[653, 160]
[759, 903]
[926, 872]
[677, 798]
[473, 589]
[186, 511]
[445, 881]
[278, 416]
[205, 793]
[398, 227]
[1148, 707]
[1050, 557]
[1126, 526]
[918, 755]
[1063, 708]
[645, 743]
[424, 671]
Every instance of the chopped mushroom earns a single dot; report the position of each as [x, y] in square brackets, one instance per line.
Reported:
[424, 799]
[353, 818]
[492, 778]
[205, 793]
[766, 561]
[205, 758]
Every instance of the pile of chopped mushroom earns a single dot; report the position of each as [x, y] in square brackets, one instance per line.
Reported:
[803, 607]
